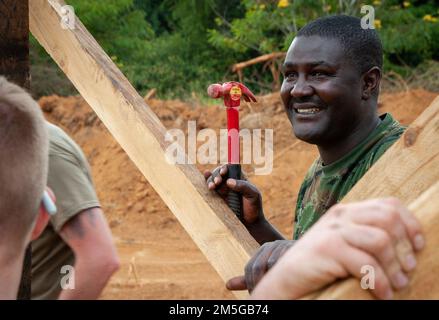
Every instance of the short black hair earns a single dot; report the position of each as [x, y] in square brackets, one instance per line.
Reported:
[363, 46]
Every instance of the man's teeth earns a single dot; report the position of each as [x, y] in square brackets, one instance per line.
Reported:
[308, 111]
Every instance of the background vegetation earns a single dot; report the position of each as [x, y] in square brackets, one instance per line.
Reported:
[180, 46]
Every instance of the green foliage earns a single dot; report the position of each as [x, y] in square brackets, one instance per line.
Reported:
[409, 30]
[117, 25]
[267, 26]
[409, 39]
[179, 47]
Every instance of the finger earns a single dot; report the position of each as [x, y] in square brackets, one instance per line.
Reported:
[220, 175]
[220, 172]
[384, 215]
[207, 174]
[247, 189]
[209, 182]
[412, 225]
[365, 267]
[236, 283]
[211, 179]
[223, 171]
[378, 244]
[405, 246]
[257, 267]
[248, 272]
[211, 185]
[276, 254]
[217, 180]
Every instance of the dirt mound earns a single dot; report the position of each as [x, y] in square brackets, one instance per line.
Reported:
[159, 260]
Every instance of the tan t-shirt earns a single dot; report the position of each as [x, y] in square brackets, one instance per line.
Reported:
[70, 180]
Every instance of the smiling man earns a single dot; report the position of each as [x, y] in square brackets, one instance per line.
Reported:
[332, 74]
[330, 91]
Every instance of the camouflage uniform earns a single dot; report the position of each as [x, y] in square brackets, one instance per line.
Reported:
[324, 186]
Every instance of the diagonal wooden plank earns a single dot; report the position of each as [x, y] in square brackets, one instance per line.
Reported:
[213, 227]
[406, 170]
[409, 167]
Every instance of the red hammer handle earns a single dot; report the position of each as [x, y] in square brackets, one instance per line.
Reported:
[233, 135]
[232, 93]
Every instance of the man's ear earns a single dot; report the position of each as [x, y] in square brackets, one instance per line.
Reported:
[371, 82]
[41, 223]
[43, 217]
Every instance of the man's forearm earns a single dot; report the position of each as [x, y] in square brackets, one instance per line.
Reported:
[90, 278]
[264, 232]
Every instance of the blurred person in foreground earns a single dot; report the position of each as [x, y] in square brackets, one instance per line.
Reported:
[23, 177]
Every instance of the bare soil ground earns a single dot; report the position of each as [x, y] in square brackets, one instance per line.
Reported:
[159, 260]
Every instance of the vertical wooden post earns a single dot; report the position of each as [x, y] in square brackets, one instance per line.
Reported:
[14, 41]
[14, 65]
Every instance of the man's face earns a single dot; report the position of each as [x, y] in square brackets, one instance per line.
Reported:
[321, 90]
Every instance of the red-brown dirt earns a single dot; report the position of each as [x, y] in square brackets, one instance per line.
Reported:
[159, 260]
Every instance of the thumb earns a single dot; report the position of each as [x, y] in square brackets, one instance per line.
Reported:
[236, 283]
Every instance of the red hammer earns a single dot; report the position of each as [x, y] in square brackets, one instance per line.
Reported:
[232, 93]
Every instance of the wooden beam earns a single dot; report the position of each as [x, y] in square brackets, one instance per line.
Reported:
[406, 170]
[14, 65]
[14, 41]
[409, 167]
[211, 224]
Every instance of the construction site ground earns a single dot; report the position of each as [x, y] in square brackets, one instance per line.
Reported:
[159, 260]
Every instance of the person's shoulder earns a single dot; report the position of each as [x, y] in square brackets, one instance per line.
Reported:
[60, 141]
[56, 134]
[393, 131]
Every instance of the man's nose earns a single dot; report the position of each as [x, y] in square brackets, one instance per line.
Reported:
[301, 89]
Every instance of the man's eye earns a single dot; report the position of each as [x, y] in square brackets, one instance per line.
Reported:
[290, 76]
[318, 74]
